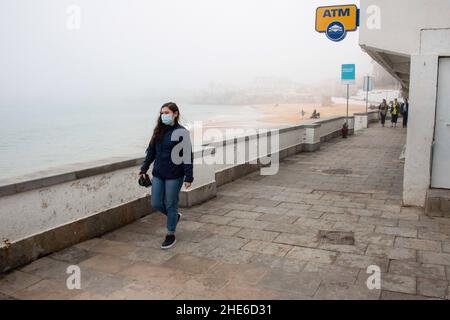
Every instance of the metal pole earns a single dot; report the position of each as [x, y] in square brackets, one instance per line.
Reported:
[367, 100]
[347, 103]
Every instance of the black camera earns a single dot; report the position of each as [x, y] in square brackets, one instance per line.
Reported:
[145, 181]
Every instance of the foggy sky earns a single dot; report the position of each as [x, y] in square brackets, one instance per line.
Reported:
[133, 49]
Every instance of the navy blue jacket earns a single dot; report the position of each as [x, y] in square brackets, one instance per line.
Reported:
[161, 151]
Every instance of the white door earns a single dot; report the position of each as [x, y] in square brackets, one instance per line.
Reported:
[441, 151]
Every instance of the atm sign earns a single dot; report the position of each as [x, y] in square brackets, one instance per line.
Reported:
[336, 21]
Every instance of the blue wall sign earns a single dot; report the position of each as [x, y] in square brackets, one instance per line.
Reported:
[348, 74]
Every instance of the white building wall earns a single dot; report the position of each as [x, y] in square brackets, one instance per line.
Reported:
[419, 29]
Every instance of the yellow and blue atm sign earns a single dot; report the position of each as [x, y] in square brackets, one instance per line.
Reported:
[336, 21]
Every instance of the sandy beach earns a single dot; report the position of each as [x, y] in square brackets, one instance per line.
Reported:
[278, 115]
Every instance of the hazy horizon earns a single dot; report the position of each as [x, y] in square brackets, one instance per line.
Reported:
[161, 49]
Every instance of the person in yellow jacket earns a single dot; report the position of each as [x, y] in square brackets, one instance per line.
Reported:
[395, 110]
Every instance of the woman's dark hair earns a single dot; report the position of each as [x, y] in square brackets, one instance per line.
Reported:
[161, 128]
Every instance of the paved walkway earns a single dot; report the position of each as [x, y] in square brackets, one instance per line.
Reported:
[262, 238]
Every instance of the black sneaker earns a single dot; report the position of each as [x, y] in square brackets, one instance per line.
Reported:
[179, 216]
[169, 241]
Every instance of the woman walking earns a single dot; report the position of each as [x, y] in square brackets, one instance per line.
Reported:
[383, 111]
[169, 170]
[395, 110]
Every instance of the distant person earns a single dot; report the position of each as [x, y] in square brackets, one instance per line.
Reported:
[314, 114]
[395, 110]
[405, 111]
[169, 171]
[383, 112]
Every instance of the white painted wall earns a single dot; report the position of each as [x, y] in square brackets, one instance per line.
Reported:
[401, 23]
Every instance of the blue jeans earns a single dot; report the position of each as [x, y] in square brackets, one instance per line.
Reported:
[165, 198]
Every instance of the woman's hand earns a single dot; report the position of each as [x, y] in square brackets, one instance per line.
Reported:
[187, 185]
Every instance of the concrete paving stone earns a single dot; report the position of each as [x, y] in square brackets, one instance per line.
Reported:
[357, 248]
[47, 268]
[192, 236]
[236, 290]
[432, 287]
[389, 295]
[433, 258]
[150, 255]
[101, 283]
[349, 204]
[363, 212]
[418, 244]
[330, 273]
[4, 297]
[446, 246]
[287, 228]
[156, 275]
[393, 282]
[432, 235]
[87, 245]
[72, 255]
[318, 224]
[46, 290]
[301, 213]
[14, 281]
[105, 263]
[432, 226]
[360, 261]
[328, 209]
[218, 241]
[312, 255]
[282, 263]
[385, 207]
[240, 206]
[189, 225]
[137, 290]
[391, 253]
[345, 291]
[417, 269]
[397, 231]
[412, 216]
[277, 218]
[264, 247]
[375, 238]
[305, 283]
[216, 219]
[216, 211]
[248, 273]
[113, 248]
[340, 217]
[255, 234]
[291, 205]
[229, 255]
[222, 230]
[260, 202]
[352, 226]
[189, 263]
[379, 221]
[248, 223]
[86, 295]
[243, 214]
[306, 239]
[272, 210]
[182, 246]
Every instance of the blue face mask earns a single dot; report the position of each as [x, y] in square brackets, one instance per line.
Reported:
[167, 119]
